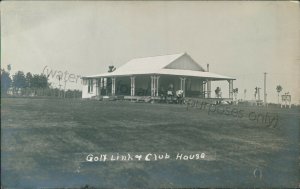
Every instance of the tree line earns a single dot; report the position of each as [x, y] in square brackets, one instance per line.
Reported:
[21, 84]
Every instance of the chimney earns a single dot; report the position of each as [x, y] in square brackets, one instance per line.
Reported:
[207, 69]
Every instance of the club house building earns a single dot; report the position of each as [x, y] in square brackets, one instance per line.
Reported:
[151, 77]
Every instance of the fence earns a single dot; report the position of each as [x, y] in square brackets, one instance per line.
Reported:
[46, 92]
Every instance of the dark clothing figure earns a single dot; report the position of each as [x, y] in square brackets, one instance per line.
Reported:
[217, 91]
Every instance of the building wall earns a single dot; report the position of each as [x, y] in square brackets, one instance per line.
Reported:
[85, 93]
[196, 84]
[165, 81]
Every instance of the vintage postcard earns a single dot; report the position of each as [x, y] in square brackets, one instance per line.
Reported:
[150, 94]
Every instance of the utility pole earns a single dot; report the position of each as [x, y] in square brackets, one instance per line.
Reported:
[265, 89]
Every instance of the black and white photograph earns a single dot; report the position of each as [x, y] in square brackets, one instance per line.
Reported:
[150, 94]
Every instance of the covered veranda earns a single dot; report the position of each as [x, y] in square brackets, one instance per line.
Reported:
[157, 85]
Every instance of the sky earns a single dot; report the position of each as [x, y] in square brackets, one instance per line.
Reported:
[238, 39]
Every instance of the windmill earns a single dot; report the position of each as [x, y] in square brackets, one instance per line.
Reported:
[257, 93]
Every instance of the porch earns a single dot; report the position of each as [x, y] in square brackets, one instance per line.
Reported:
[136, 87]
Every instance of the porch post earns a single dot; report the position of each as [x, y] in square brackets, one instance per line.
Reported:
[157, 79]
[208, 83]
[104, 83]
[98, 87]
[101, 86]
[132, 78]
[131, 86]
[95, 83]
[152, 85]
[182, 85]
[203, 88]
[113, 86]
[230, 88]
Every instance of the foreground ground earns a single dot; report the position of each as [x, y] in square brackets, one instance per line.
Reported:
[44, 142]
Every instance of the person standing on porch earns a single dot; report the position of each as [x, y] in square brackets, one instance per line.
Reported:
[170, 90]
[218, 92]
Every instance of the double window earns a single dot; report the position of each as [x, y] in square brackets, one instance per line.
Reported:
[90, 85]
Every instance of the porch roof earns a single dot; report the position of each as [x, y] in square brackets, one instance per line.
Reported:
[175, 72]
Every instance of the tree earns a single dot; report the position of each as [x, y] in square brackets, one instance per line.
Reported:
[43, 81]
[5, 81]
[28, 80]
[19, 81]
[278, 89]
[39, 81]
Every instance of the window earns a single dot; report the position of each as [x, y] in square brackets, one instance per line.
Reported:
[90, 85]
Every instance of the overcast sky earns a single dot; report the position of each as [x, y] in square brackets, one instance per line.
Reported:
[238, 39]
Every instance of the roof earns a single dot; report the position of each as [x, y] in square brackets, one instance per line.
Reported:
[157, 65]
[148, 64]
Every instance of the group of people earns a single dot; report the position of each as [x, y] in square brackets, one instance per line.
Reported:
[170, 95]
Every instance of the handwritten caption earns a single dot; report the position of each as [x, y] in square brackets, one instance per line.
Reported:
[147, 157]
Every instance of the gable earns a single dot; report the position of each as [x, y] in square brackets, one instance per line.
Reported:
[185, 62]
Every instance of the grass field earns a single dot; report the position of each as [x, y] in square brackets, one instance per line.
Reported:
[43, 141]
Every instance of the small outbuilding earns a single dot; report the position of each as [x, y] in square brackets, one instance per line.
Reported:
[153, 77]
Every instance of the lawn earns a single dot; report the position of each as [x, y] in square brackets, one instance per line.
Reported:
[44, 143]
